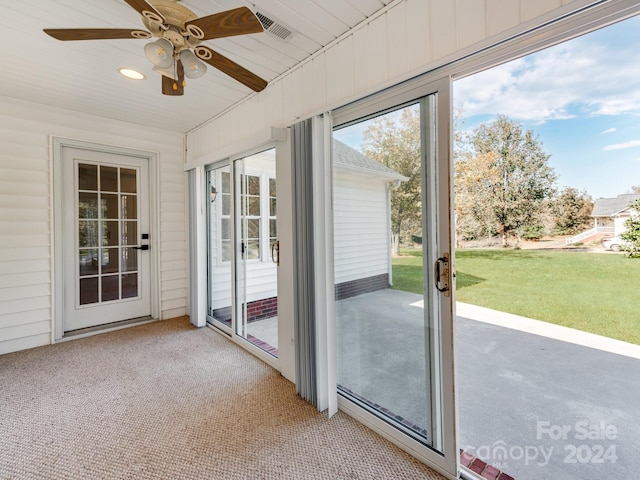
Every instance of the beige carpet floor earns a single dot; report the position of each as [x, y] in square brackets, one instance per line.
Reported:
[168, 401]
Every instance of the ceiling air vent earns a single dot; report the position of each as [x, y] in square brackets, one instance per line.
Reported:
[274, 27]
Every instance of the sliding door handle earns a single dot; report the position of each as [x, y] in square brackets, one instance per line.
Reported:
[275, 252]
[441, 275]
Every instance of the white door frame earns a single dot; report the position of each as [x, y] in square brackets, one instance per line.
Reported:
[57, 144]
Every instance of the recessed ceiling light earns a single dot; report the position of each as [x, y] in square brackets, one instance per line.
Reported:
[133, 74]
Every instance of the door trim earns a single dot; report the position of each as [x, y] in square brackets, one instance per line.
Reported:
[57, 144]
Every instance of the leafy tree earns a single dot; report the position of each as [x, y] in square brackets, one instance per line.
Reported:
[504, 181]
[632, 233]
[571, 211]
[534, 232]
[474, 218]
[394, 141]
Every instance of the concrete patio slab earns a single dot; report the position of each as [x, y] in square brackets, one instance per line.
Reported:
[533, 402]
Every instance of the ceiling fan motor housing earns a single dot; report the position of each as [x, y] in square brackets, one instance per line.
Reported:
[175, 17]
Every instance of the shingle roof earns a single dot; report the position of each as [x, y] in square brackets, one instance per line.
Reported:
[606, 207]
[348, 157]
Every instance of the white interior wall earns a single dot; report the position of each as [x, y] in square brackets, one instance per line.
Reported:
[26, 213]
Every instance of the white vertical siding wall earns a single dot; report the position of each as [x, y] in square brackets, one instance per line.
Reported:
[26, 231]
[361, 227]
[173, 220]
[408, 38]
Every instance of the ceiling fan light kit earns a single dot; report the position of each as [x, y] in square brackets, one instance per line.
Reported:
[178, 52]
[160, 53]
[193, 68]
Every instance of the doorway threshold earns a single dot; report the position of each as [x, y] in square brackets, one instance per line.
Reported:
[107, 327]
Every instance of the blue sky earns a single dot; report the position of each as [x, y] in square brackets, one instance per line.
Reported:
[582, 99]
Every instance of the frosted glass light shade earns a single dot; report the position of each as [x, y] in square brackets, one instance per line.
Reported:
[160, 53]
[167, 72]
[193, 67]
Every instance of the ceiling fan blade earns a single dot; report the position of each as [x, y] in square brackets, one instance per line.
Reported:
[172, 87]
[142, 6]
[231, 68]
[239, 21]
[95, 33]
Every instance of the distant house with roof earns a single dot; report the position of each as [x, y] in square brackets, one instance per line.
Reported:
[613, 212]
[609, 216]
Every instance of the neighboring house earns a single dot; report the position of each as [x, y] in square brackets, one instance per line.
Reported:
[610, 214]
[362, 216]
[609, 217]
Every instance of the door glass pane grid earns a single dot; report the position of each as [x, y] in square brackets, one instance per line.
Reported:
[272, 211]
[225, 215]
[107, 226]
[256, 273]
[250, 205]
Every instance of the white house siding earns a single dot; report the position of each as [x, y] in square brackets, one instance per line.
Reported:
[408, 38]
[361, 227]
[261, 282]
[26, 231]
[361, 242]
[619, 224]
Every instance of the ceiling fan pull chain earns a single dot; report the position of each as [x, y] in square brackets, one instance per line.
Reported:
[175, 71]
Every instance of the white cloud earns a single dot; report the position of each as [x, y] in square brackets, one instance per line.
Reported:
[621, 146]
[580, 77]
[609, 130]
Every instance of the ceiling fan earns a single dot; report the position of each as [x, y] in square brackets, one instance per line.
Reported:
[178, 52]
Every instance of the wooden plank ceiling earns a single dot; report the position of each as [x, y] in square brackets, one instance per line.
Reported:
[83, 75]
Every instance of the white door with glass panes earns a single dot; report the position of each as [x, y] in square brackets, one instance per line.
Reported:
[105, 233]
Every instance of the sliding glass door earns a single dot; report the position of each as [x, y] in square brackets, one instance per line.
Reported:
[243, 249]
[393, 271]
[256, 259]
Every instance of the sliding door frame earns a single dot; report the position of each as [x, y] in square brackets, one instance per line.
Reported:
[236, 313]
[420, 91]
[573, 24]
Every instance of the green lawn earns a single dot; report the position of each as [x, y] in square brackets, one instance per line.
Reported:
[594, 292]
